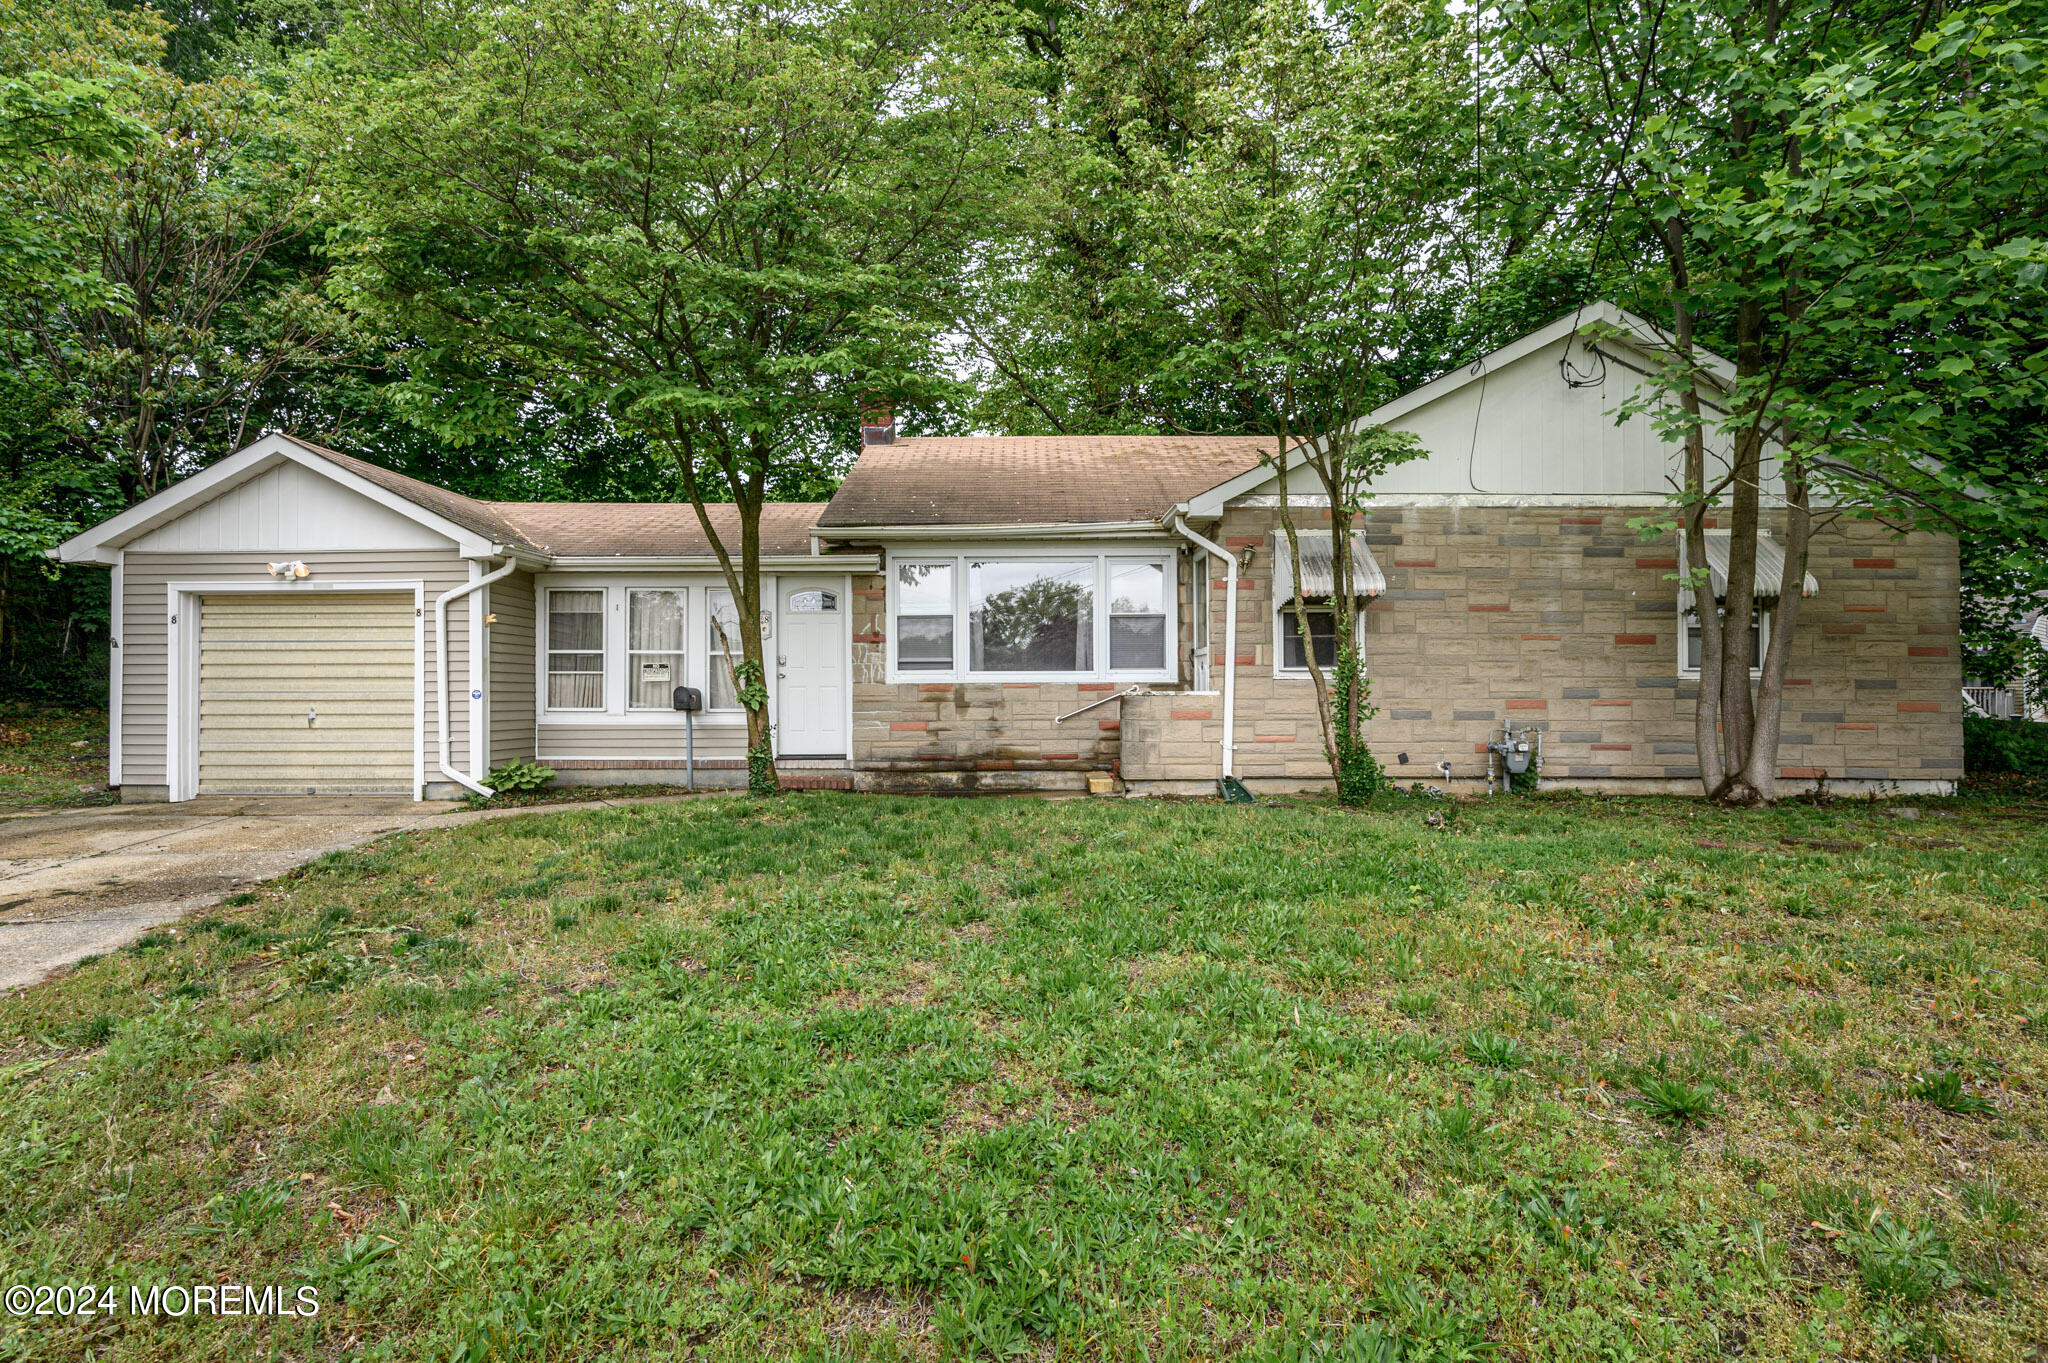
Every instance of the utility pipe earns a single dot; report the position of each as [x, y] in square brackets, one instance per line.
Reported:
[1180, 523]
[441, 671]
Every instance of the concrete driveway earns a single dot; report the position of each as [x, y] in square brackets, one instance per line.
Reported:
[83, 882]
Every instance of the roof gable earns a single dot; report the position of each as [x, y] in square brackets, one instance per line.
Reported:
[472, 535]
[1509, 425]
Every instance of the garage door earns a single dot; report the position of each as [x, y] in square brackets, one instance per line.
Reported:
[310, 695]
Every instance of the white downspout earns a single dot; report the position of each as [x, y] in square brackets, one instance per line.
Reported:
[441, 673]
[1180, 523]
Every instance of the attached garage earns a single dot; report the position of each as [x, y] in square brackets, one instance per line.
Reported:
[308, 694]
[293, 621]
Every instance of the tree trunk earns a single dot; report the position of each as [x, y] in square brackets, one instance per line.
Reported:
[750, 677]
[1760, 763]
[1693, 490]
[1738, 712]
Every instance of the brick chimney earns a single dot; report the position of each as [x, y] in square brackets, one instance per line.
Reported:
[878, 425]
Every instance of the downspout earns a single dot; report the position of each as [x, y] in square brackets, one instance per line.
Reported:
[441, 672]
[1180, 523]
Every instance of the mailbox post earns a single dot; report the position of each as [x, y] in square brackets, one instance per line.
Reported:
[689, 700]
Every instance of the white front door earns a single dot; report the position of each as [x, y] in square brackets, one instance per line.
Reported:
[810, 667]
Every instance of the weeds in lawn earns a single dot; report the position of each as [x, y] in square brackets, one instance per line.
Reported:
[838, 1077]
[1904, 1261]
[1945, 1090]
[1675, 1101]
[1495, 1051]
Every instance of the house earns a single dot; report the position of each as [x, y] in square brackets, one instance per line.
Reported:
[1008, 613]
[2014, 699]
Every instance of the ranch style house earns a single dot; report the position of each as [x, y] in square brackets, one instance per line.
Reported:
[1010, 614]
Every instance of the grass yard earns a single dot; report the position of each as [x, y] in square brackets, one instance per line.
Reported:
[52, 759]
[854, 1077]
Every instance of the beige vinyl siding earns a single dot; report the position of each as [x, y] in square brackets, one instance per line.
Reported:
[145, 614]
[313, 695]
[512, 668]
[640, 742]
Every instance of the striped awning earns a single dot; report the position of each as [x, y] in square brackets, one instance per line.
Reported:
[1770, 569]
[1319, 569]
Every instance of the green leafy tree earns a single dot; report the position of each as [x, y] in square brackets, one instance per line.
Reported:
[723, 224]
[1845, 199]
[1300, 231]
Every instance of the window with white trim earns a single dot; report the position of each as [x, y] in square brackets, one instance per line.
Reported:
[724, 648]
[1322, 634]
[1031, 615]
[924, 616]
[576, 649]
[1694, 646]
[1024, 615]
[1137, 615]
[655, 620]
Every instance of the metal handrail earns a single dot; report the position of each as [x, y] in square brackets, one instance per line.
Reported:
[1133, 691]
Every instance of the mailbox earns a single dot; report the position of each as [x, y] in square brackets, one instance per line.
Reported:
[689, 698]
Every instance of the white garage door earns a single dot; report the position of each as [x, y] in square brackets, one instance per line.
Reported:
[309, 695]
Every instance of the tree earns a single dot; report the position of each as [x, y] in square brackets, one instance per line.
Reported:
[722, 223]
[1844, 198]
[1300, 230]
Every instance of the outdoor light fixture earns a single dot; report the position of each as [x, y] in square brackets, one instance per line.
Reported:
[1244, 559]
[289, 572]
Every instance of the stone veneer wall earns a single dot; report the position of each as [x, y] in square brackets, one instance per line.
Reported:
[1565, 620]
[1559, 618]
[965, 736]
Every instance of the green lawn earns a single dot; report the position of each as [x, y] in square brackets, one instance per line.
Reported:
[854, 1077]
[52, 758]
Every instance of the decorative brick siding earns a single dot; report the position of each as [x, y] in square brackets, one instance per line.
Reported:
[1587, 652]
[979, 735]
[1164, 741]
[1562, 619]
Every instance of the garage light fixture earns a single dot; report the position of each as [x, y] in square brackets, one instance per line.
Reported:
[289, 571]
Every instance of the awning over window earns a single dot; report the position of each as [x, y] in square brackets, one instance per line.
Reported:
[1319, 571]
[1770, 569]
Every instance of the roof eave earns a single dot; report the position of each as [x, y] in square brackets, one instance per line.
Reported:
[100, 543]
[830, 563]
[1039, 530]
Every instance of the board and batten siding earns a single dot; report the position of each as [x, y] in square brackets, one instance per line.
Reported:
[145, 615]
[512, 663]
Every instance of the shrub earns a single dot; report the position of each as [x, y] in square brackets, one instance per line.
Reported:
[1995, 746]
[520, 778]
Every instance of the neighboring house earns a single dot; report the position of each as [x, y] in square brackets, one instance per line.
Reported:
[1007, 613]
[2015, 699]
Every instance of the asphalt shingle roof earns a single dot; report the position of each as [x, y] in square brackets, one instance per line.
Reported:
[633, 529]
[1035, 480]
[593, 529]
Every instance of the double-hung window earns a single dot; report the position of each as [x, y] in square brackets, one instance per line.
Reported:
[723, 647]
[1322, 635]
[1759, 639]
[1048, 616]
[924, 616]
[654, 647]
[1137, 616]
[576, 650]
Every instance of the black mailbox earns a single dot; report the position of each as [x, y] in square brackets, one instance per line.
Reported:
[689, 698]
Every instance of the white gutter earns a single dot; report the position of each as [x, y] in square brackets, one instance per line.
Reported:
[827, 562]
[1180, 523]
[1056, 530]
[441, 672]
